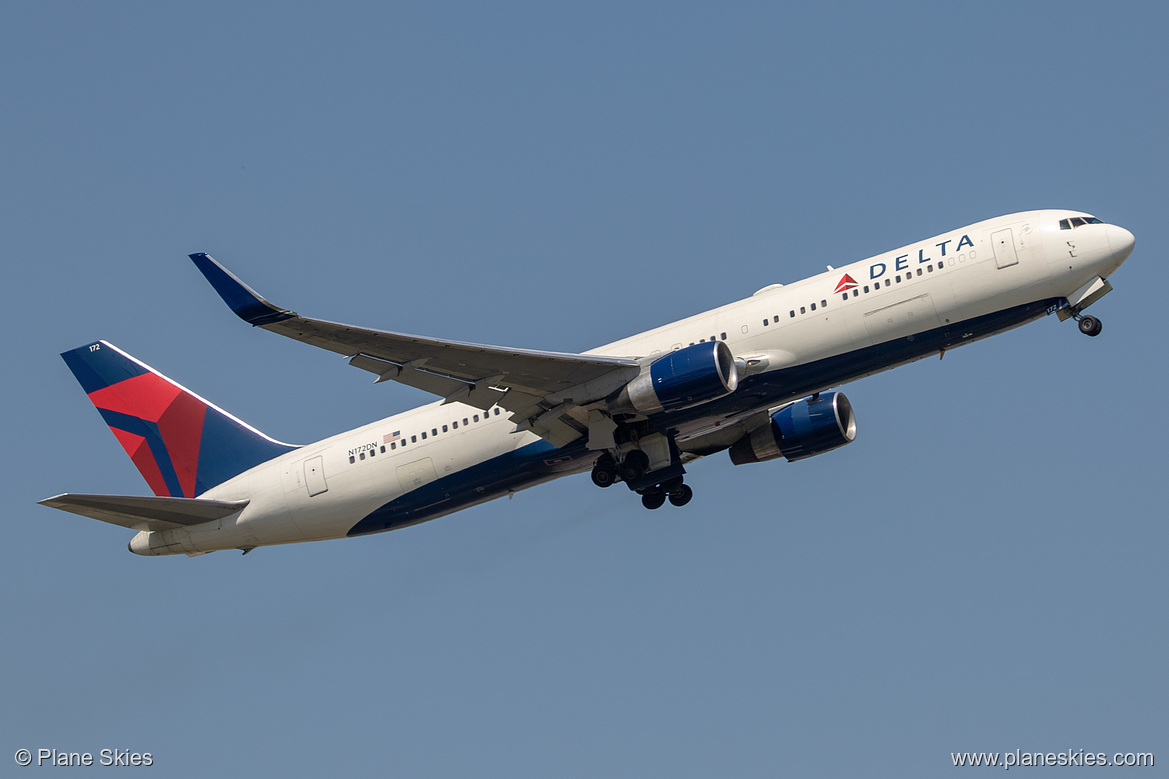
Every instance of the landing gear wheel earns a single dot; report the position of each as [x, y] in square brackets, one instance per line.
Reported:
[653, 499]
[604, 476]
[1090, 325]
[681, 496]
[634, 466]
[604, 471]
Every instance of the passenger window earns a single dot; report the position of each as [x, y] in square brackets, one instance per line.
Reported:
[866, 289]
[455, 425]
[464, 421]
[792, 313]
[362, 455]
[476, 417]
[766, 322]
[423, 435]
[393, 445]
[823, 304]
[383, 448]
[888, 283]
[855, 294]
[444, 428]
[803, 310]
[496, 412]
[724, 336]
[898, 278]
[813, 306]
[414, 438]
[352, 459]
[776, 319]
[844, 296]
[434, 431]
[919, 271]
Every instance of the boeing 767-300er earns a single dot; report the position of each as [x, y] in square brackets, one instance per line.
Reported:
[752, 378]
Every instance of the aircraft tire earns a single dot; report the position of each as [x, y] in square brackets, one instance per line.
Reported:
[681, 496]
[1090, 325]
[604, 475]
[653, 499]
[634, 466]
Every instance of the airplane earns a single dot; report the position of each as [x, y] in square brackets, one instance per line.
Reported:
[754, 378]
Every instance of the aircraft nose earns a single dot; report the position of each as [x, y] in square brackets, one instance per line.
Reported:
[1121, 242]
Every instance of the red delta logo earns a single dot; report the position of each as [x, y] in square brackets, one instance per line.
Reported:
[846, 283]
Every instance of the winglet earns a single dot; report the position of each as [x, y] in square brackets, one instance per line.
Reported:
[240, 298]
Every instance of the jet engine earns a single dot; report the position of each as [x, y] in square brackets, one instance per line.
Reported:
[680, 379]
[805, 428]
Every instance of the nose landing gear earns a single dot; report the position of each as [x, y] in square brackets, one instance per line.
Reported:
[1090, 325]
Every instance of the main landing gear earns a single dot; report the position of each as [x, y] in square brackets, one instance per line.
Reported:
[1090, 325]
[632, 469]
[679, 494]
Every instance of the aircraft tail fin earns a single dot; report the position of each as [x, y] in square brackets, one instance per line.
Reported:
[181, 444]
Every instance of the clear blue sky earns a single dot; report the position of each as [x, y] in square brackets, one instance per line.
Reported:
[984, 569]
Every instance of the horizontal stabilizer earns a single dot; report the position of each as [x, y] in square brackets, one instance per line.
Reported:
[145, 513]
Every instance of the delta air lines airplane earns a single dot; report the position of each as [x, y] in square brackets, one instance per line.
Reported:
[752, 378]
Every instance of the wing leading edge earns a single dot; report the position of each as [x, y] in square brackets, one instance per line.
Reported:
[544, 391]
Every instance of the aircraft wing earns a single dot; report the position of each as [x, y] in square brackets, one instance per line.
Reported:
[145, 513]
[544, 391]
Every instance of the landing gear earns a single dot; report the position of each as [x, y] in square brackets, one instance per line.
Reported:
[633, 470]
[681, 496]
[634, 466]
[1090, 325]
[678, 493]
[604, 471]
[653, 498]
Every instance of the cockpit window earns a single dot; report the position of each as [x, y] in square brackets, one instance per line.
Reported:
[1078, 221]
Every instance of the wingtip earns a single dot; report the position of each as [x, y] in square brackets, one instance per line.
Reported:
[247, 304]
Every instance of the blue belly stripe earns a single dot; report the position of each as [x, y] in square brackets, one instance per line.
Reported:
[541, 461]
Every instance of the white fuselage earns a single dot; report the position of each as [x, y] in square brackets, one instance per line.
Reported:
[873, 309]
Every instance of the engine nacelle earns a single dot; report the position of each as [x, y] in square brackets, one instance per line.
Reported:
[680, 379]
[803, 429]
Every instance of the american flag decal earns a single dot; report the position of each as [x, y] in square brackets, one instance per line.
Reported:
[394, 436]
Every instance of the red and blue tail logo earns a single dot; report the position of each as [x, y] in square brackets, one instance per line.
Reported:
[181, 444]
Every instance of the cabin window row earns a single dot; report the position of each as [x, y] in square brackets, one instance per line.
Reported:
[721, 337]
[888, 282]
[792, 314]
[434, 432]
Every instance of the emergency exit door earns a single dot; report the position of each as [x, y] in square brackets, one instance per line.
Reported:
[1004, 248]
[314, 476]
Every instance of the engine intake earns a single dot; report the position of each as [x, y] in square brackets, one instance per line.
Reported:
[680, 379]
[803, 429]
